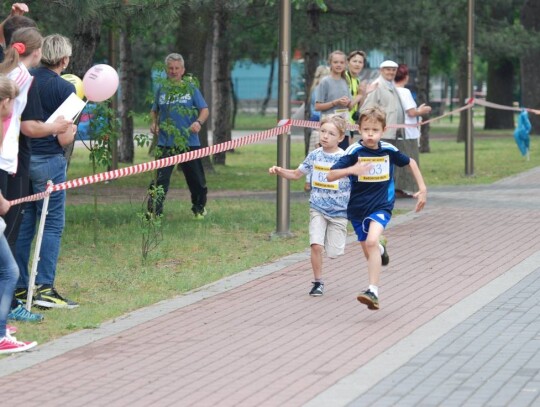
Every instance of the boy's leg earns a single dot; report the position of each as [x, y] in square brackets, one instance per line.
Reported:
[317, 233]
[374, 254]
[369, 233]
[317, 261]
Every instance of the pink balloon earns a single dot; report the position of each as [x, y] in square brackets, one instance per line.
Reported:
[100, 82]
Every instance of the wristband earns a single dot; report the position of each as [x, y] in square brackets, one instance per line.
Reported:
[198, 121]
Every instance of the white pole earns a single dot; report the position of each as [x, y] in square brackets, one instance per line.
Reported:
[35, 260]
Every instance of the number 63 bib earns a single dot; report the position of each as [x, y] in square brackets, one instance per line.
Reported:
[380, 169]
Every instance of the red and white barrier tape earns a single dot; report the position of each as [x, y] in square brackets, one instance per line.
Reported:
[283, 127]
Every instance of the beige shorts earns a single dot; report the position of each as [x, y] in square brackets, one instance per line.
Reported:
[328, 232]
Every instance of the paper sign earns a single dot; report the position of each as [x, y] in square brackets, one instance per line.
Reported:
[70, 109]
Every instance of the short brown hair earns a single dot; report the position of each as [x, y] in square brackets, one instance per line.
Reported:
[373, 113]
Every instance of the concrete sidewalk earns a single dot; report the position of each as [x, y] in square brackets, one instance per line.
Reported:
[459, 325]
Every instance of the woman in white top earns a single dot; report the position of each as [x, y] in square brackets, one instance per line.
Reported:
[23, 53]
[412, 134]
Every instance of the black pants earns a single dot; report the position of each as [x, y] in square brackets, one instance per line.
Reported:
[193, 173]
[14, 187]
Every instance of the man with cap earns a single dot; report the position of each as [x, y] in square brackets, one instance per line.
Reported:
[386, 97]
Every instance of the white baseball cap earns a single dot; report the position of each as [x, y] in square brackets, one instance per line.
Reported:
[388, 64]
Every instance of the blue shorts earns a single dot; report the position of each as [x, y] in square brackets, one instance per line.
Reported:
[362, 228]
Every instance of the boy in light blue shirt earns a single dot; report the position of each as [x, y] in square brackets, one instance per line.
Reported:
[328, 200]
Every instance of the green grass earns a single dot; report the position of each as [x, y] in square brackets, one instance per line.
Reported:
[110, 279]
[494, 158]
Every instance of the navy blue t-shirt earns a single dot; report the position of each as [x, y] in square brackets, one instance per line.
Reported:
[53, 90]
[374, 191]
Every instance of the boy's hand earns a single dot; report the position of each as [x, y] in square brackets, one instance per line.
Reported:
[421, 197]
[361, 168]
[274, 169]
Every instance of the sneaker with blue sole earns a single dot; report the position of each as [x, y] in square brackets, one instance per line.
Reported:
[22, 314]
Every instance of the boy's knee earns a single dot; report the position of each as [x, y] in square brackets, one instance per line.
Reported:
[372, 243]
[317, 248]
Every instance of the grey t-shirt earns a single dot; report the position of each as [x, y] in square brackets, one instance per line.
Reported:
[332, 89]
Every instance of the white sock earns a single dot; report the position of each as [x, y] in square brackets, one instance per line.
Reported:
[374, 289]
[381, 248]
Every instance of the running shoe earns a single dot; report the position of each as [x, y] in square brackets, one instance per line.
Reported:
[317, 290]
[385, 258]
[370, 299]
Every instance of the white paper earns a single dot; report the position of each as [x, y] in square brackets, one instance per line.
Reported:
[70, 109]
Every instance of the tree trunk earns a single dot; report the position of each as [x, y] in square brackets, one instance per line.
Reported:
[266, 100]
[222, 80]
[423, 92]
[500, 89]
[462, 96]
[530, 86]
[195, 25]
[85, 41]
[126, 151]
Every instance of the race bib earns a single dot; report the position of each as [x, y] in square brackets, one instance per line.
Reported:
[380, 169]
[318, 178]
[343, 113]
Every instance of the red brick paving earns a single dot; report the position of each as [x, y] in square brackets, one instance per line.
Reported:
[267, 343]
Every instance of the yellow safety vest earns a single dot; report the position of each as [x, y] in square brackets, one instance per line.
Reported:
[354, 85]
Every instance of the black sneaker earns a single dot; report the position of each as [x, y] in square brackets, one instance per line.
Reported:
[317, 290]
[385, 258]
[48, 297]
[370, 299]
[21, 294]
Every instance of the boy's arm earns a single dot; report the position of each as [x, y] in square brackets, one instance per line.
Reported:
[337, 174]
[359, 168]
[421, 195]
[285, 173]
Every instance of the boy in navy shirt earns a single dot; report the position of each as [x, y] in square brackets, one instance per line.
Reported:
[372, 192]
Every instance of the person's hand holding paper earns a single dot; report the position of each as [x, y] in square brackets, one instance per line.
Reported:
[66, 137]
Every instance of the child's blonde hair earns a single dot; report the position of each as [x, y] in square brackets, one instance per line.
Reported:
[338, 121]
[373, 113]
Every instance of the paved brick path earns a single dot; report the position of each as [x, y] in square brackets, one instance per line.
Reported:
[459, 325]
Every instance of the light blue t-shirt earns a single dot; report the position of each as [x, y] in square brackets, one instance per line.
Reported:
[183, 110]
[330, 198]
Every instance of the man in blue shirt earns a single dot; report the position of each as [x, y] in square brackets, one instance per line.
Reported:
[178, 113]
